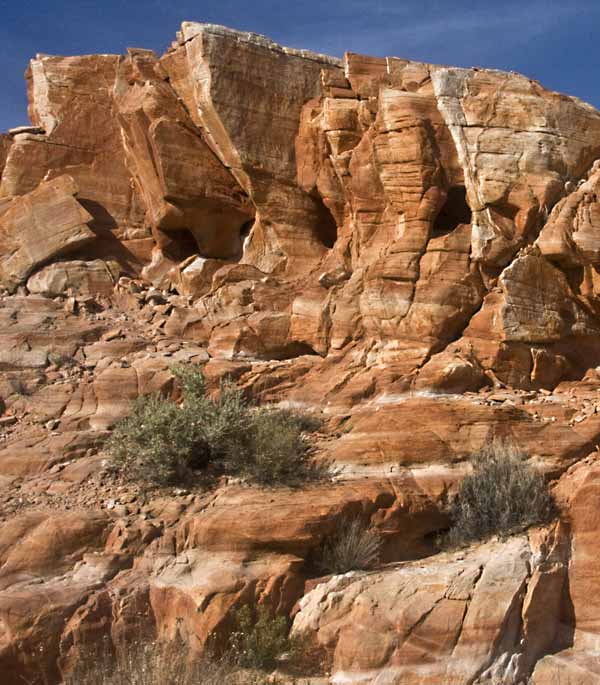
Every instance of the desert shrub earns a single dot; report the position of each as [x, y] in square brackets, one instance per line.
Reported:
[154, 443]
[141, 663]
[164, 442]
[223, 425]
[191, 380]
[278, 454]
[303, 421]
[503, 494]
[60, 359]
[258, 640]
[19, 387]
[354, 546]
[150, 663]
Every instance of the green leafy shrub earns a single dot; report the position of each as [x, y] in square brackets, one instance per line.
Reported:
[355, 546]
[163, 442]
[502, 495]
[258, 642]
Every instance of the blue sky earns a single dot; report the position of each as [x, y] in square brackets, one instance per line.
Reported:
[554, 42]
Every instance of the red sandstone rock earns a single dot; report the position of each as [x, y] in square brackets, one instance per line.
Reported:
[78, 277]
[45, 224]
[70, 98]
[221, 75]
[183, 184]
[5, 144]
[448, 621]
[381, 239]
[332, 192]
[579, 488]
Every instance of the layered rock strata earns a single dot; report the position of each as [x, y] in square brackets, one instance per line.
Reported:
[408, 248]
[380, 206]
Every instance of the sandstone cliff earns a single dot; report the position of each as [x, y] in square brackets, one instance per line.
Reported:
[409, 248]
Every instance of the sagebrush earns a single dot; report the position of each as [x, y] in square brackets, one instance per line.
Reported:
[277, 452]
[164, 442]
[502, 495]
[355, 546]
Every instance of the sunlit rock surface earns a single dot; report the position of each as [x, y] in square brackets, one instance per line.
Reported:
[409, 249]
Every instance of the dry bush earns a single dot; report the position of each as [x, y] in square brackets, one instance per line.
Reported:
[149, 663]
[504, 494]
[61, 359]
[163, 442]
[355, 546]
[139, 663]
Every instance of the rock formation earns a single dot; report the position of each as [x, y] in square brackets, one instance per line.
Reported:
[409, 248]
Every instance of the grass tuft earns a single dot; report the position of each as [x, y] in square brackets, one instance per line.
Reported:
[355, 546]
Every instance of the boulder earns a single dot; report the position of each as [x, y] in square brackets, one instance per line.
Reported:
[35, 600]
[453, 620]
[76, 277]
[45, 224]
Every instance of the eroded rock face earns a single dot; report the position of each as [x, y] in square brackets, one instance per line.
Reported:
[184, 186]
[5, 143]
[70, 100]
[457, 620]
[182, 563]
[388, 199]
[251, 120]
[44, 224]
[434, 179]
[407, 248]
[580, 628]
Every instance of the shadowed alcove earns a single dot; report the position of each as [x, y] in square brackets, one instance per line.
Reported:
[453, 213]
